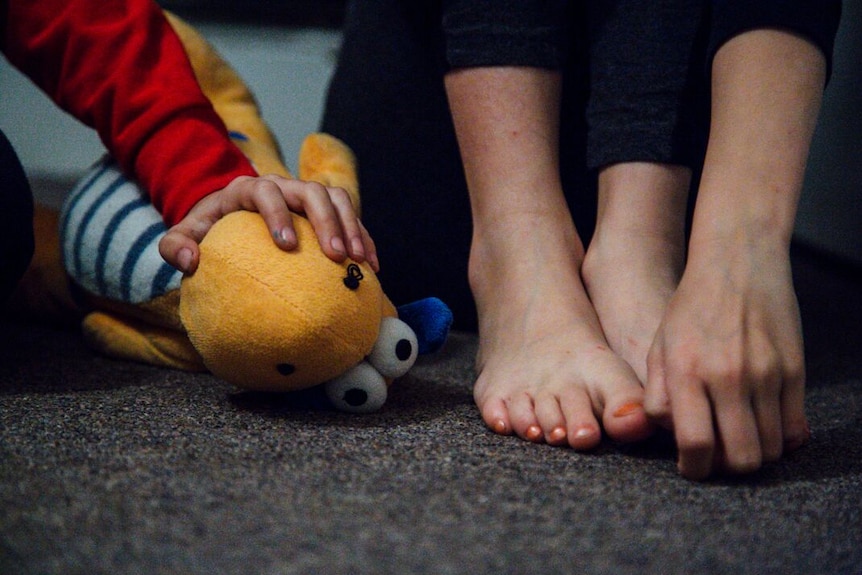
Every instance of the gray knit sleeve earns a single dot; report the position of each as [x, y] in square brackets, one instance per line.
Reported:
[505, 33]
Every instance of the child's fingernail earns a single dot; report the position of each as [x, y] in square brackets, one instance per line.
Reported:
[358, 248]
[184, 257]
[285, 236]
[338, 245]
[628, 409]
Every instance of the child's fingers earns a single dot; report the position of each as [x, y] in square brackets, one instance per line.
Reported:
[353, 236]
[334, 219]
[180, 249]
[263, 195]
[370, 248]
[313, 200]
[330, 211]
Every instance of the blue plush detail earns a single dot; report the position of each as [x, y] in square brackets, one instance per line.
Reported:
[238, 136]
[431, 319]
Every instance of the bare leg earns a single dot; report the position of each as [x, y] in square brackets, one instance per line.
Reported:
[637, 253]
[546, 371]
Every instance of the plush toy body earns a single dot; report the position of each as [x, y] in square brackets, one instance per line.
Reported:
[252, 314]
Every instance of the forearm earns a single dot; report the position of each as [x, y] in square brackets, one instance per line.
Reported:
[766, 92]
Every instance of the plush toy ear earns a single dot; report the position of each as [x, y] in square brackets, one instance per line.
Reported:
[328, 160]
[431, 319]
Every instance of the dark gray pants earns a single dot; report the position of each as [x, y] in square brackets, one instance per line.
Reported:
[16, 219]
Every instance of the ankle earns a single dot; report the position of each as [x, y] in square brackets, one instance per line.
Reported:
[645, 199]
[635, 255]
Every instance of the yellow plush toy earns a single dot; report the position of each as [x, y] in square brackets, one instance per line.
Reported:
[252, 314]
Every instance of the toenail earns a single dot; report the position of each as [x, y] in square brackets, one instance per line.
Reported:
[534, 433]
[500, 427]
[558, 434]
[628, 409]
[584, 432]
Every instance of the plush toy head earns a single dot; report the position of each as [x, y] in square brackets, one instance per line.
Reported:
[272, 320]
[258, 317]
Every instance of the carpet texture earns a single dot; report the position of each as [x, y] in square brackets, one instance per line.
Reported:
[112, 467]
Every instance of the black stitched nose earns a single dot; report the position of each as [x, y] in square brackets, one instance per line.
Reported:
[285, 368]
[353, 277]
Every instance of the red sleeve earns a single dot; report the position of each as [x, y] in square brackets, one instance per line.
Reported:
[119, 68]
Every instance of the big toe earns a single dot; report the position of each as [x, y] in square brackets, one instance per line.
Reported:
[627, 421]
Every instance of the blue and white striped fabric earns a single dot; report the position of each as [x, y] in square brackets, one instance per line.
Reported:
[110, 235]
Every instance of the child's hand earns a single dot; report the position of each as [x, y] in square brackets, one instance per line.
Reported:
[338, 229]
[726, 370]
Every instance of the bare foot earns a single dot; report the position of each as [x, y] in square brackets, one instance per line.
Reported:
[546, 372]
[637, 255]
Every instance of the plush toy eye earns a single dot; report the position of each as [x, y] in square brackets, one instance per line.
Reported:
[396, 348]
[360, 390]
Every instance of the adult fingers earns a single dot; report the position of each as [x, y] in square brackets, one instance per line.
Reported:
[795, 429]
[738, 433]
[656, 400]
[693, 429]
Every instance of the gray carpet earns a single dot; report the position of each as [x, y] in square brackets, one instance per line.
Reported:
[111, 467]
